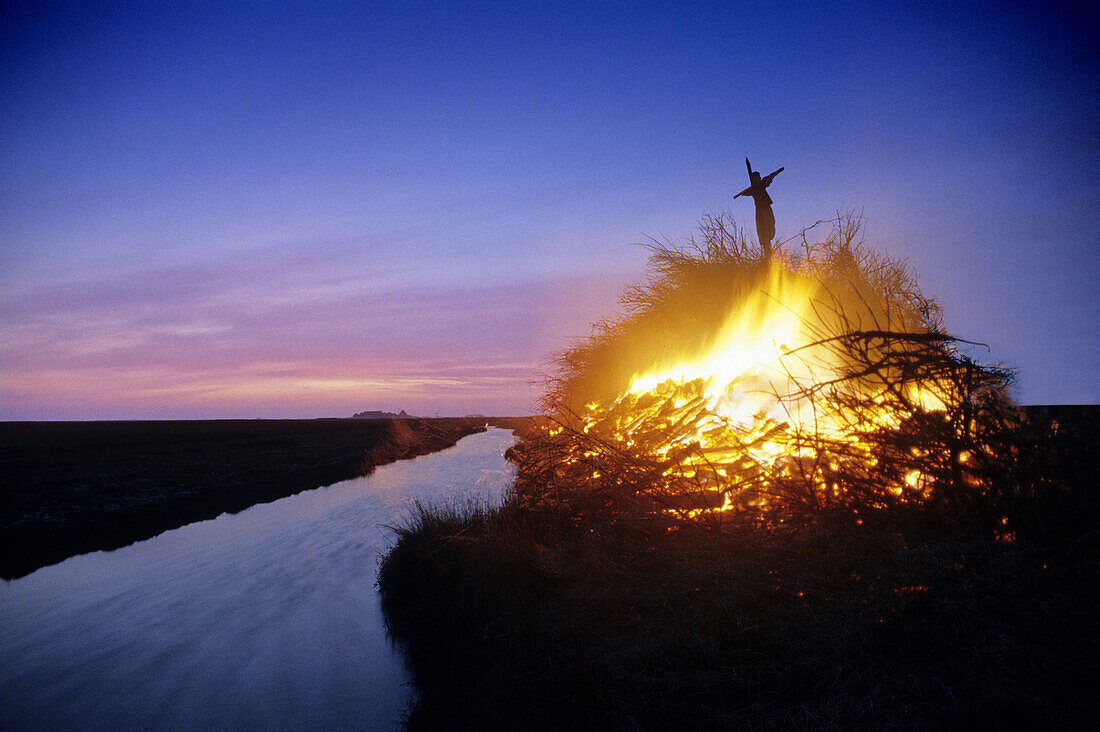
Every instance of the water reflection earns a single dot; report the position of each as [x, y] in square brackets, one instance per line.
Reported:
[263, 619]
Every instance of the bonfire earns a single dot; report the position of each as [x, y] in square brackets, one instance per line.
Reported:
[740, 381]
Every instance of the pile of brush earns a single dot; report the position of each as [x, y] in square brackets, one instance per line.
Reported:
[912, 419]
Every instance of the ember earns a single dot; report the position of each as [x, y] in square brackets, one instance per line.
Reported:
[815, 377]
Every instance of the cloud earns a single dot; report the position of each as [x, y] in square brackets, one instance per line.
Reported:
[283, 335]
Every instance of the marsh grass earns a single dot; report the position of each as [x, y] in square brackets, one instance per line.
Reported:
[463, 589]
[514, 623]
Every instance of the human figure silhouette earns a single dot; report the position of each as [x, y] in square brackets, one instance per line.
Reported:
[765, 219]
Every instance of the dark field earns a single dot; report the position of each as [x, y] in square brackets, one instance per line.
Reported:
[519, 620]
[74, 487]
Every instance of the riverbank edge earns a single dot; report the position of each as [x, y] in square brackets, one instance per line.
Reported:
[513, 626]
[512, 620]
[269, 466]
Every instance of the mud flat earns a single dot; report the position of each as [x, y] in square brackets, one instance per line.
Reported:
[75, 487]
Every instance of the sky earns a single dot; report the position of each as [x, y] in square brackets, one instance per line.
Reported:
[312, 209]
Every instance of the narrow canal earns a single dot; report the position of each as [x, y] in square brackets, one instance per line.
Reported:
[268, 618]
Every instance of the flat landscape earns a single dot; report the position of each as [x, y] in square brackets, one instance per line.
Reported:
[75, 487]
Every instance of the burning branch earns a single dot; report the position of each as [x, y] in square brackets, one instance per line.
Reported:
[771, 387]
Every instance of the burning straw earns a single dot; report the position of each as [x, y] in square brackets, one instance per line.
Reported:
[738, 384]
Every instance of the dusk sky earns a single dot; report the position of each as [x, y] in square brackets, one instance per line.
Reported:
[313, 209]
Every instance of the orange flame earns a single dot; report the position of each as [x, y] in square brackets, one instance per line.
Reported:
[748, 402]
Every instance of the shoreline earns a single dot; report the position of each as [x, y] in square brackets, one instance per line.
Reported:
[77, 487]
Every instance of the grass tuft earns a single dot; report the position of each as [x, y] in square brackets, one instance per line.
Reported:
[514, 623]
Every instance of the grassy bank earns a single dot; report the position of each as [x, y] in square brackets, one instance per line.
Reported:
[74, 487]
[519, 620]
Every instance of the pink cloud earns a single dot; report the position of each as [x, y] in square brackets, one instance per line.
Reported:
[288, 335]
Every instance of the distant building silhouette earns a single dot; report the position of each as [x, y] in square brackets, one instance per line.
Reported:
[382, 415]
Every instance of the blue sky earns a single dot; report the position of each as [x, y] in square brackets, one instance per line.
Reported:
[313, 209]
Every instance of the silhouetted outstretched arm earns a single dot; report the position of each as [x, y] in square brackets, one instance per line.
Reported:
[763, 183]
[767, 180]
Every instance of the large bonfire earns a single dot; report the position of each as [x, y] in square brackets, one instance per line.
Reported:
[738, 383]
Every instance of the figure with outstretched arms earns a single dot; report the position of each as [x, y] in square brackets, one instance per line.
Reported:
[765, 219]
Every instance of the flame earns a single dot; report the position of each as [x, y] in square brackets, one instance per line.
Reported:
[774, 385]
[767, 349]
[741, 414]
[744, 363]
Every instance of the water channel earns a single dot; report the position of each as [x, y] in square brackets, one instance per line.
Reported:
[264, 619]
